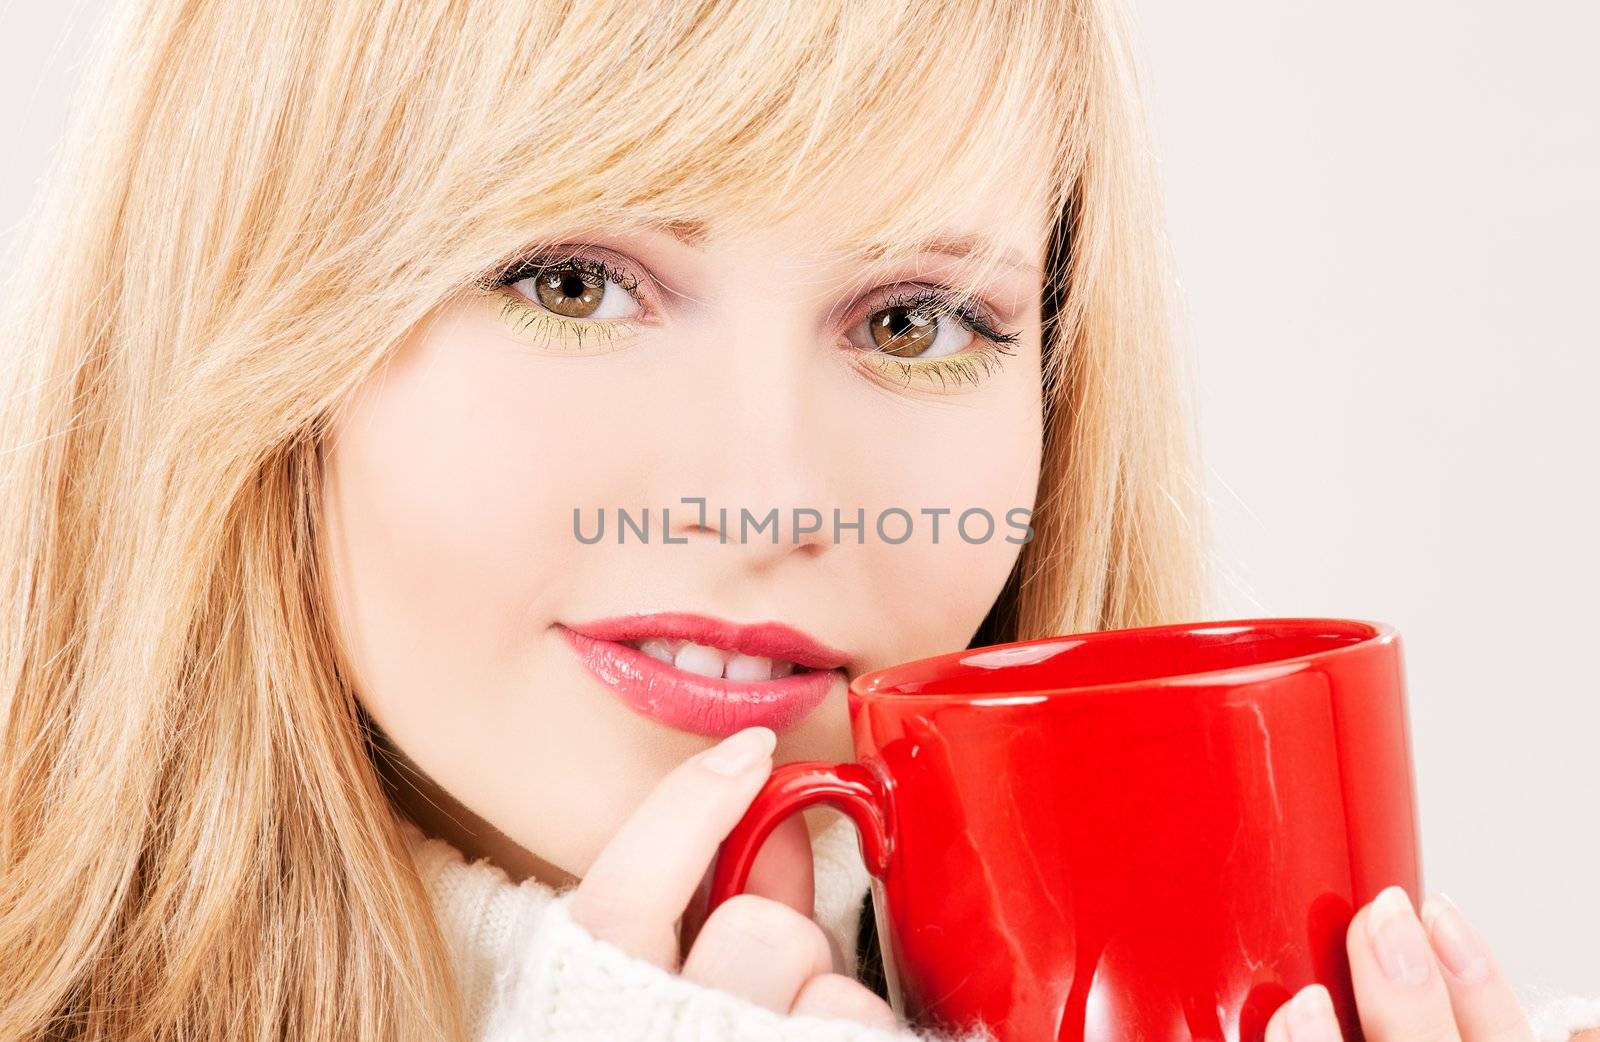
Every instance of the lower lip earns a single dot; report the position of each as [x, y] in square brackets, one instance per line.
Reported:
[700, 705]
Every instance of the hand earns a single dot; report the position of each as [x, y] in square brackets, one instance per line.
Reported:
[1416, 980]
[761, 945]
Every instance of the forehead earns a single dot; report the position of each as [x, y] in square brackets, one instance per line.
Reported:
[1007, 227]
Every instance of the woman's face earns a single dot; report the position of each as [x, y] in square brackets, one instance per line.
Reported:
[632, 371]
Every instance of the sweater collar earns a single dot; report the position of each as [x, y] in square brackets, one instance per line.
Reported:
[480, 909]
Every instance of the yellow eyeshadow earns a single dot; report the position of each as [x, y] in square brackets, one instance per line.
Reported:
[950, 374]
[548, 330]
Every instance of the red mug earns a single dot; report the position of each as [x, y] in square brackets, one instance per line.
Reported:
[1152, 834]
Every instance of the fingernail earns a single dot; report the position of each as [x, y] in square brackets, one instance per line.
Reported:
[740, 751]
[1458, 944]
[1397, 938]
[1310, 1017]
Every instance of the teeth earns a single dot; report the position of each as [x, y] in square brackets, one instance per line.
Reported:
[659, 648]
[701, 660]
[705, 661]
[749, 667]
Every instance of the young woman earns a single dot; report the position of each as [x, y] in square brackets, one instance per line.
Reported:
[343, 325]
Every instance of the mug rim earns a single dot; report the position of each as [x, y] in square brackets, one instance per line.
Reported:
[880, 683]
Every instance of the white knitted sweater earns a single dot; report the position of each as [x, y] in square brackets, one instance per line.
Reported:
[529, 973]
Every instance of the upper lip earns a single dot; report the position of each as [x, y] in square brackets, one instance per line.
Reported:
[771, 640]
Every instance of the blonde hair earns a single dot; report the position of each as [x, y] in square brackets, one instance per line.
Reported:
[253, 205]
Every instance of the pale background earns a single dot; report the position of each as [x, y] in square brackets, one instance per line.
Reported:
[1387, 217]
[1387, 222]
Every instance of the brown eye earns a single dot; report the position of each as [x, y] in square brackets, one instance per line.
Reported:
[579, 290]
[908, 332]
[569, 292]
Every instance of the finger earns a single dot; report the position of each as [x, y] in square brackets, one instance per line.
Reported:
[759, 949]
[1400, 993]
[640, 884]
[835, 995]
[1486, 1006]
[783, 870]
[1307, 1017]
[1277, 1026]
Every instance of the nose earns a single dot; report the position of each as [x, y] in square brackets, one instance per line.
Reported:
[756, 458]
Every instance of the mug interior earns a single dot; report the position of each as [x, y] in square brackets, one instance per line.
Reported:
[1109, 658]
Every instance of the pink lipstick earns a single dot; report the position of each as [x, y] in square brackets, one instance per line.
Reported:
[706, 675]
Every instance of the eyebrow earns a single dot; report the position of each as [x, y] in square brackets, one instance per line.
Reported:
[695, 233]
[690, 232]
[965, 245]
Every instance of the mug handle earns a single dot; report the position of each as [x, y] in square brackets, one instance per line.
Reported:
[851, 787]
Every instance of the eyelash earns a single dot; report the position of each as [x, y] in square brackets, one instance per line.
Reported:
[969, 366]
[525, 314]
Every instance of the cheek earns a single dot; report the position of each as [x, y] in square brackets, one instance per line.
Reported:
[933, 590]
[448, 502]
[450, 489]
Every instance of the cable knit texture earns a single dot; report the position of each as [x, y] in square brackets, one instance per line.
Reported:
[1556, 1016]
[529, 973]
